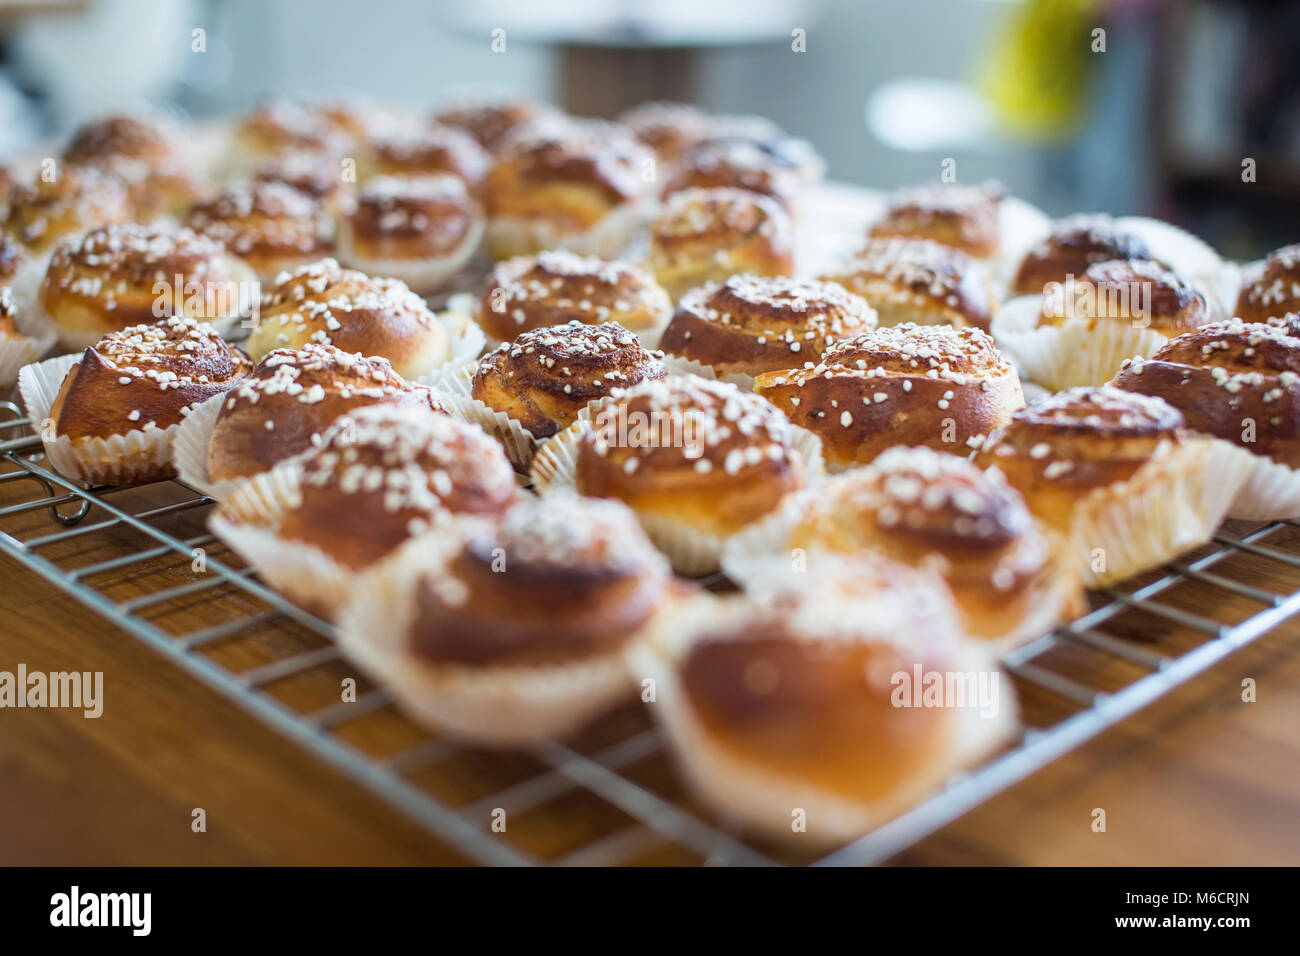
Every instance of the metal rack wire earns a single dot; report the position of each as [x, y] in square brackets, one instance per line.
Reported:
[57, 528]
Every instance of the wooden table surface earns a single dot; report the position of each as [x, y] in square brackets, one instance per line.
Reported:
[1199, 778]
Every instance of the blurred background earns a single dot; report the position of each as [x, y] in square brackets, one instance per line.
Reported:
[1184, 109]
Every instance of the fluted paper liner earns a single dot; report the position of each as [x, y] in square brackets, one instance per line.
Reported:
[35, 334]
[131, 457]
[763, 551]
[761, 798]
[496, 705]
[1270, 491]
[508, 236]
[1170, 505]
[190, 449]
[689, 550]
[1060, 357]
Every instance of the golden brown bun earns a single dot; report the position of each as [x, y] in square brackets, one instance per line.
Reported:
[706, 454]
[553, 581]
[958, 215]
[555, 288]
[40, 213]
[283, 126]
[1234, 380]
[128, 274]
[1143, 293]
[411, 217]
[920, 281]
[318, 175]
[546, 376]
[292, 397]
[143, 377]
[738, 164]
[270, 225]
[1059, 448]
[929, 509]
[1275, 292]
[13, 258]
[749, 324]
[492, 124]
[430, 149]
[322, 302]
[931, 385]
[8, 311]
[147, 152]
[360, 121]
[566, 177]
[1075, 243]
[667, 128]
[382, 474]
[706, 235]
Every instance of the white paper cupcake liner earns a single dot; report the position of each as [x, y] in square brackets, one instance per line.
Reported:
[467, 342]
[190, 449]
[36, 335]
[502, 705]
[763, 552]
[454, 391]
[1059, 357]
[689, 550]
[751, 797]
[1190, 258]
[508, 236]
[1171, 505]
[1021, 226]
[132, 457]
[1270, 492]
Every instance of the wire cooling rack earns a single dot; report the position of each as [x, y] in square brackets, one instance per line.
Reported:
[143, 560]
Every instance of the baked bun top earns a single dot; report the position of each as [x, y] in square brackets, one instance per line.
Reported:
[736, 163]
[8, 311]
[272, 219]
[955, 214]
[1142, 292]
[317, 175]
[579, 577]
[1086, 436]
[667, 128]
[292, 396]
[428, 215]
[546, 376]
[589, 153]
[695, 223]
[493, 123]
[1075, 243]
[41, 212]
[325, 303]
[755, 324]
[555, 288]
[384, 473]
[283, 125]
[13, 258]
[144, 377]
[1224, 375]
[153, 140]
[431, 149]
[1276, 290]
[686, 444]
[918, 273]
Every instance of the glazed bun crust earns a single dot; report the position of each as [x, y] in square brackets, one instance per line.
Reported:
[667, 128]
[1275, 292]
[317, 175]
[958, 215]
[1075, 244]
[39, 213]
[324, 303]
[579, 578]
[270, 225]
[919, 281]
[13, 259]
[935, 386]
[383, 474]
[556, 288]
[726, 459]
[545, 377]
[493, 124]
[707, 235]
[143, 377]
[283, 126]
[751, 324]
[107, 279]
[428, 150]
[735, 164]
[292, 397]
[1064, 445]
[1142, 292]
[146, 151]
[1222, 377]
[400, 217]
